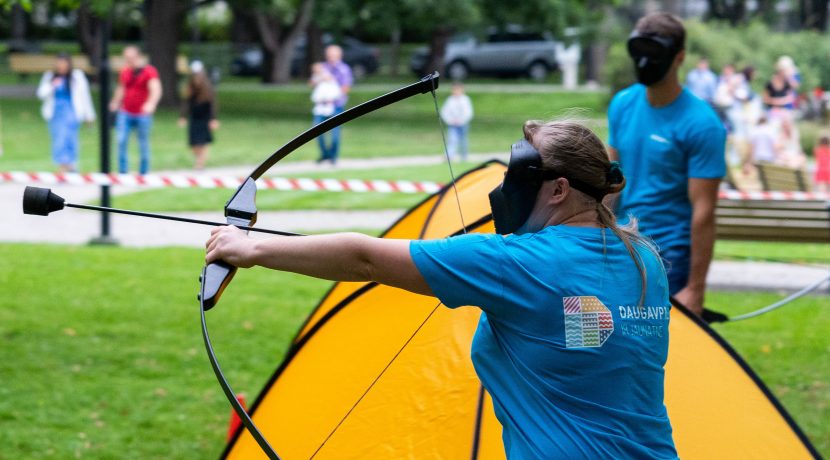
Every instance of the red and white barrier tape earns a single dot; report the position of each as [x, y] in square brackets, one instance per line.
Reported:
[184, 181]
[306, 184]
[774, 196]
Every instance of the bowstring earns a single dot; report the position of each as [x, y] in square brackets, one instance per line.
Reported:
[442, 128]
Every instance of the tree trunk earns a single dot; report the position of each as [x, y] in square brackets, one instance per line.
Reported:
[437, 48]
[597, 54]
[269, 30]
[313, 48]
[164, 20]
[813, 14]
[766, 11]
[243, 28]
[278, 48]
[19, 28]
[395, 51]
[89, 34]
[732, 11]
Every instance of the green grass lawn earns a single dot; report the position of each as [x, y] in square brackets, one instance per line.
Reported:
[102, 354]
[257, 120]
[806, 253]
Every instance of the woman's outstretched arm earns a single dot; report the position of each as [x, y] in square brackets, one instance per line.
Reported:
[337, 257]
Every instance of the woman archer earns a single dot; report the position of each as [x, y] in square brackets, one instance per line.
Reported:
[574, 332]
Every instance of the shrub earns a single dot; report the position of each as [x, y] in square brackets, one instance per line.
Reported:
[754, 44]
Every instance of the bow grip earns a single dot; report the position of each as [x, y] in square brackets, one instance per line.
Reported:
[215, 277]
[240, 211]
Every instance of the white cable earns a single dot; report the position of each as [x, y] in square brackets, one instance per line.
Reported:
[782, 302]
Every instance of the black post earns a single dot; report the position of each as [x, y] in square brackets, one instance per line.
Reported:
[194, 36]
[105, 126]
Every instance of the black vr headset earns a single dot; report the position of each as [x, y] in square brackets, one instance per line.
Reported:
[652, 54]
[512, 201]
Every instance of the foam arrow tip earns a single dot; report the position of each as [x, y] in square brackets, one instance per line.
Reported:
[41, 201]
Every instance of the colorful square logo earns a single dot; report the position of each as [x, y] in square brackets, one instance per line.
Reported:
[588, 322]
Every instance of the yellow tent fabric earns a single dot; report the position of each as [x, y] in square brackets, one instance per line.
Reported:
[357, 384]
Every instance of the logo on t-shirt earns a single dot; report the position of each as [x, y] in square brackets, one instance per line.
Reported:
[588, 322]
[659, 139]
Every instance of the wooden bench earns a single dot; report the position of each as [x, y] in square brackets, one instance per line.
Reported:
[25, 64]
[781, 178]
[798, 221]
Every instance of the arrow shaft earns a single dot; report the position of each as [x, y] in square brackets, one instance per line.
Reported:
[173, 218]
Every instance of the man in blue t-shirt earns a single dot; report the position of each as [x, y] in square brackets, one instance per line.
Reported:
[671, 146]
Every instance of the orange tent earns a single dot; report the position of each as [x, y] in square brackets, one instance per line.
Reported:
[381, 373]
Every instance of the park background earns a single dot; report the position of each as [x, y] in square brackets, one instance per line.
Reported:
[101, 355]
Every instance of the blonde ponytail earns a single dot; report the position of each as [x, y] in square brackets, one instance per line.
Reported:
[575, 151]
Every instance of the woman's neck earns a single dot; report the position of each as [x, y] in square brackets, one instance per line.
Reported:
[582, 218]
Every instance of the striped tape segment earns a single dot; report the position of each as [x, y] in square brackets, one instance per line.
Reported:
[306, 184]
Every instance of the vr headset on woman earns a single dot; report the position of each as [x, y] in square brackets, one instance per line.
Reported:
[512, 201]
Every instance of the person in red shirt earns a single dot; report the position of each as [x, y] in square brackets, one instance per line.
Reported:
[135, 100]
[821, 152]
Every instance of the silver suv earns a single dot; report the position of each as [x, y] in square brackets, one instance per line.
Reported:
[511, 52]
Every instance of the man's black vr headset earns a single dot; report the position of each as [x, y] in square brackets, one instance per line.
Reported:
[512, 201]
[652, 54]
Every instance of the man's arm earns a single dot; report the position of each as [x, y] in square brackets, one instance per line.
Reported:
[154, 96]
[117, 97]
[703, 194]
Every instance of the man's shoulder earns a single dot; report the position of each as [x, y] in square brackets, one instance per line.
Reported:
[699, 114]
[627, 96]
[151, 71]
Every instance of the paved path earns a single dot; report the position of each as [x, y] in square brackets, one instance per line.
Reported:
[765, 276]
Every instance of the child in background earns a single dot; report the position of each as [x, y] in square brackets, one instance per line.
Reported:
[199, 113]
[821, 152]
[324, 95]
[66, 103]
[457, 112]
[762, 145]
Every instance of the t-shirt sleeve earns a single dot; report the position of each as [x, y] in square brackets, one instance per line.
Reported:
[462, 270]
[123, 76]
[348, 76]
[151, 72]
[707, 151]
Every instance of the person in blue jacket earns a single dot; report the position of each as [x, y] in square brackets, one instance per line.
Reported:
[573, 334]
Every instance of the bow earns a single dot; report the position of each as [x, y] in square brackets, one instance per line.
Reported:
[241, 211]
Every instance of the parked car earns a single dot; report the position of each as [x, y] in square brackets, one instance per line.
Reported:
[362, 58]
[510, 52]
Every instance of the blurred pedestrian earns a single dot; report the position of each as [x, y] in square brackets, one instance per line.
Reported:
[778, 96]
[702, 82]
[324, 95]
[66, 103]
[671, 146]
[135, 100]
[198, 112]
[762, 142]
[790, 153]
[724, 95]
[342, 74]
[457, 112]
[788, 69]
[821, 152]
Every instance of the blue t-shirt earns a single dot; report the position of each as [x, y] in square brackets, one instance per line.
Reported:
[660, 149]
[574, 366]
